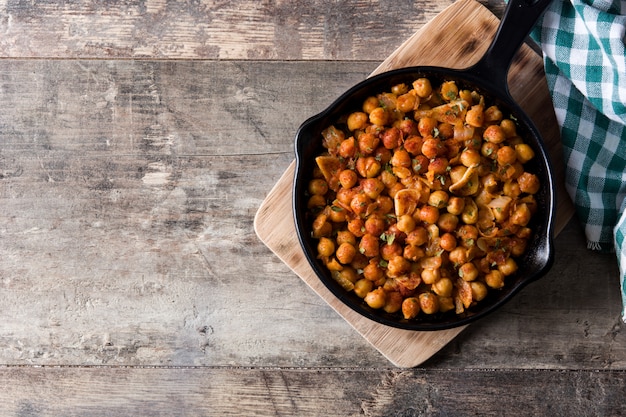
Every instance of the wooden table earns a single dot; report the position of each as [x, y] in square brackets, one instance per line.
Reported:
[137, 142]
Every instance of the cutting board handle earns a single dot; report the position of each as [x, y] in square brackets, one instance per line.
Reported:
[518, 20]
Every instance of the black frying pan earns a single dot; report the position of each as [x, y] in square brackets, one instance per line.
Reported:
[489, 77]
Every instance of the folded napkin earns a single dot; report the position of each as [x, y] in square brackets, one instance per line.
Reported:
[583, 44]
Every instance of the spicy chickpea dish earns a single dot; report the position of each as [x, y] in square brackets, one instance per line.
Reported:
[421, 202]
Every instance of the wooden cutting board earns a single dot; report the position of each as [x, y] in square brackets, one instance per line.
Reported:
[455, 38]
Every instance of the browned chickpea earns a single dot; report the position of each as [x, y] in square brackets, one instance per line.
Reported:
[382, 155]
[439, 165]
[398, 266]
[508, 127]
[373, 272]
[495, 279]
[369, 245]
[393, 302]
[345, 236]
[443, 287]
[417, 237]
[359, 203]
[318, 187]
[455, 205]
[521, 215]
[398, 89]
[446, 303]
[357, 120]
[391, 138]
[468, 272]
[321, 227]
[528, 183]
[368, 167]
[325, 247]
[489, 150]
[446, 130]
[394, 189]
[390, 251]
[362, 287]
[345, 195]
[347, 178]
[429, 303]
[509, 267]
[449, 90]
[511, 189]
[407, 102]
[401, 158]
[348, 273]
[337, 214]
[447, 242]
[426, 126]
[494, 134]
[524, 152]
[413, 253]
[410, 307]
[475, 116]
[406, 223]
[423, 87]
[479, 290]
[347, 148]
[356, 227]
[429, 214]
[375, 225]
[420, 166]
[316, 201]
[372, 187]
[370, 104]
[493, 114]
[385, 204]
[432, 147]
[413, 145]
[379, 116]
[470, 157]
[368, 142]
[376, 298]
[468, 234]
[506, 155]
[447, 222]
[430, 276]
[458, 255]
[345, 253]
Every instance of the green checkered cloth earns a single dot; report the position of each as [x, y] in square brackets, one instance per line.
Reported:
[583, 42]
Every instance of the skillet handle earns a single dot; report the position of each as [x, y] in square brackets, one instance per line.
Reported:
[518, 20]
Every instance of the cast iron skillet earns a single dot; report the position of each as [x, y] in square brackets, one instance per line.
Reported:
[488, 76]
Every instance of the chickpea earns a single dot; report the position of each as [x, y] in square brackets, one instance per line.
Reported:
[493, 114]
[369, 245]
[447, 242]
[385, 204]
[447, 222]
[509, 267]
[376, 298]
[506, 155]
[438, 199]
[445, 304]
[410, 307]
[479, 290]
[345, 253]
[362, 287]
[495, 279]
[337, 214]
[475, 116]
[524, 152]
[318, 187]
[528, 183]
[494, 134]
[368, 167]
[455, 205]
[370, 104]
[470, 157]
[379, 116]
[316, 201]
[426, 126]
[508, 127]
[458, 255]
[449, 90]
[389, 251]
[417, 237]
[347, 148]
[443, 287]
[359, 203]
[432, 147]
[468, 272]
[521, 216]
[489, 150]
[356, 227]
[401, 158]
[372, 187]
[420, 165]
[393, 302]
[429, 303]
[438, 165]
[349, 274]
[413, 253]
[368, 143]
[406, 223]
[325, 247]
[430, 276]
[429, 214]
[375, 225]
[398, 266]
[446, 130]
[357, 120]
[322, 228]
[345, 236]
[373, 272]
[407, 102]
[423, 87]
[391, 138]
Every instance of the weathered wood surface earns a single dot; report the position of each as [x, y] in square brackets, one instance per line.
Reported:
[131, 281]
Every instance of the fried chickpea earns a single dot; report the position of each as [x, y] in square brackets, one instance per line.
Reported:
[368, 142]
[368, 167]
[373, 272]
[429, 303]
[401, 158]
[391, 138]
[372, 187]
[362, 287]
[393, 302]
[413, 253]
[398, 266]
[493, 114]
[447, 242]
[322, 228]
[347, 148]
[337, 214]
[479, 290]
[379, 116]
[470, 157]
[455, 205]
[376, 298]
[438, 199]
[359, 203]
[389, 251]
[447, 222]
[406, 223]
[345, 253]
[445, 304]
[348, 273]
[509, 267]
[489, 150]
[439, 165]
[385, 204]
[524, 152]
[495, 279]
[357, 120]
[449, 90]
[375, 225]
[399, 89]
[528, 183]
[417, 237]
[475, 116]
[423, 87]
[430, 276]
[443, 287]
[316, 201]
[347, 178]
[345, 236]
[356, 227]
[511, 189]
[458, 255]
[429, 214]
[432, 147]
[370, 104]
[506, 155]
[426, 126]
[446, 130]
[468, 272]
[521, 215]
[318, 187]
[407, 102]
[410, 307]
[494, 134]
[508, 127]
[325, 247]
[369, 245]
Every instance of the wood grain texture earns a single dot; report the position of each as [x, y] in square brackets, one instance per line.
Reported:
[208, 29]
[113, 392]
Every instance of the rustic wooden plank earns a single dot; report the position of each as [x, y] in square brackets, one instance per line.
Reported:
[126, 229]
[243, 29]
[89, 392]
